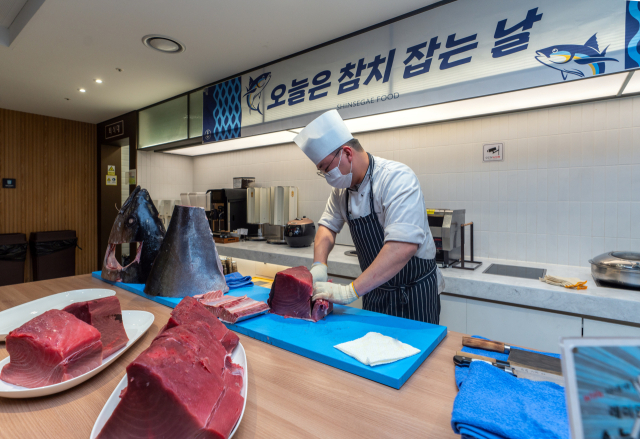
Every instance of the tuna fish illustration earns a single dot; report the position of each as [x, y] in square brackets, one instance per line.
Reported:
[574, 59]
[254, 91]
[137, 221]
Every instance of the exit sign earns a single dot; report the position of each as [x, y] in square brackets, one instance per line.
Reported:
[9, 183]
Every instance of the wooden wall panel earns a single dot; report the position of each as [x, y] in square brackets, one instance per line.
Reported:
[54, 163]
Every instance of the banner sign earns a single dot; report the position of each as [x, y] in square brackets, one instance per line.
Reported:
[461, 50]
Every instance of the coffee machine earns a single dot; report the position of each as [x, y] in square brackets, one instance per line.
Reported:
[226, 211]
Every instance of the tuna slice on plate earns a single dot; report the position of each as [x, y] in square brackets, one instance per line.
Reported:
[106, 316]
[183, 386]
[51, 348]
[291, 293]
[231, 309]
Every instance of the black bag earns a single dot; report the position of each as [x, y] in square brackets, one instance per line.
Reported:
[13, 252]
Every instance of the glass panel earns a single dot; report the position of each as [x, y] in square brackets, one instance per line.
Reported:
[195, 114]
[163, 123]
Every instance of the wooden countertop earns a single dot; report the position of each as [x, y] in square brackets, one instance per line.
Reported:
[289, 396]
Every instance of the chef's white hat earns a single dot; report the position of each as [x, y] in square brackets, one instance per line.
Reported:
[323, 135]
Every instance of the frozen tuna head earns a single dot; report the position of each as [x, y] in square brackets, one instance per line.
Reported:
[138, 222]
[188, 263]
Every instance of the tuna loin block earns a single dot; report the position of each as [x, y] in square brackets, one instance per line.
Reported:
[230, 309]
[190, 310]
[291, 293]
[177, 388]
[51, 348]
[106, 316]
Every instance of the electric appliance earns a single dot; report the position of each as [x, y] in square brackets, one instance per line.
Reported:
[226, 211]
[300, 232]
[445, 229]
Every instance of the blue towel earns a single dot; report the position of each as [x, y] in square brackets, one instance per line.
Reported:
[493, 404]
[236, 280]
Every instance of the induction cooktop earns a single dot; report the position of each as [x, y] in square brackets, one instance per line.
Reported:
[515, 271]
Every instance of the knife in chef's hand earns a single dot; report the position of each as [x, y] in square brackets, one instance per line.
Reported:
[487, 345]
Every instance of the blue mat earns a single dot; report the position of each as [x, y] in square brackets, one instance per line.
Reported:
[316, 340]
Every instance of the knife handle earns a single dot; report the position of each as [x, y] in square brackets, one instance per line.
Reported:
[494, 346]
[477, 357]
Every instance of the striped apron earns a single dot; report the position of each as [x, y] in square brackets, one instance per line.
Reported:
[413, 292]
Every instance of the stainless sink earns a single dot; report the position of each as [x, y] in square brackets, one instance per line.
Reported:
[515, 271]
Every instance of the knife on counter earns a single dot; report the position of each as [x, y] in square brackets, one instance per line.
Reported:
[523, 364]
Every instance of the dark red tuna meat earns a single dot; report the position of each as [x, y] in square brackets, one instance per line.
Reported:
[51, 348]
[291, 293]
[106, 316]
[190, 310]
[182, 386]
[230, 309]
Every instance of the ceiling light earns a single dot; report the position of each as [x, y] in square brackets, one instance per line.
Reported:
[163, 44]
[99, 81]
[82, 90]
[598, 87]
[235, 144]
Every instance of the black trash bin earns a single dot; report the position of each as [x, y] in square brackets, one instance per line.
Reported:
[13, 253]
[53, 254]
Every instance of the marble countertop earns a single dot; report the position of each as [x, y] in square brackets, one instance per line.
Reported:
[595, 301]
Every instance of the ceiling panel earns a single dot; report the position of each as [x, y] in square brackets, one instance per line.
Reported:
[69, 43]
[9, 9]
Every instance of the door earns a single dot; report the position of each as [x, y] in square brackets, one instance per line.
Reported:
[110, 195]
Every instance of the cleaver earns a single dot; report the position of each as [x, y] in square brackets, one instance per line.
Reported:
[465, 359]
[533, 363]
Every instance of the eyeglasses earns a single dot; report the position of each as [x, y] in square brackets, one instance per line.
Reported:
[322, 173]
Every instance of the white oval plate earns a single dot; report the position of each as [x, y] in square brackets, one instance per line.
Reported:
[17, 316]
[135, 324]
[238, 356]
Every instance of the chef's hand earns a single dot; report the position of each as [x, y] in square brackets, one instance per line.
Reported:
[335, 293]
[319, 272]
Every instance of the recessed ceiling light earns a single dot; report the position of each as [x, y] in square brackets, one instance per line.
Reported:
[163, 43]
[99, 81]
[81, 90]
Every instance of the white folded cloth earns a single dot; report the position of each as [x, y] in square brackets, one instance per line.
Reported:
[374, 349]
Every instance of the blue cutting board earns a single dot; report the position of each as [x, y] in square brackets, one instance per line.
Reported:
[317, 340]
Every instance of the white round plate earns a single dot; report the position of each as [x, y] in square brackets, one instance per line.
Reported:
[135, 324]
[238, 356]
[17, 316]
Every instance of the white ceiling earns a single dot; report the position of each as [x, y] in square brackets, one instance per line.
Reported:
[69, 43]
[9, 10]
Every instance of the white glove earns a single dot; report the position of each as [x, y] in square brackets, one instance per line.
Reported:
[335, 293]
[319, 272]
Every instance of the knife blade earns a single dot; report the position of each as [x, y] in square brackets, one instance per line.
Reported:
[465, 359]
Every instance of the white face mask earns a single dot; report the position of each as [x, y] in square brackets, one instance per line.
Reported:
[336, 179]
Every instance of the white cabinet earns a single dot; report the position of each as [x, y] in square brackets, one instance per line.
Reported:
[527, 327]
[453, 313]
[598, 328]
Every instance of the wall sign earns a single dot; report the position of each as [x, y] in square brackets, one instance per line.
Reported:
[114, 129]
[112, 180]
[111, 170]
[8, 183]
[493, 152]
[461, 50]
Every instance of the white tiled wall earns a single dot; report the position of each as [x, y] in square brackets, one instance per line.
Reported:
[567, 190]
[165, 176]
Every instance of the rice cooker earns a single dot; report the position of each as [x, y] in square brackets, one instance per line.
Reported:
[300, 232]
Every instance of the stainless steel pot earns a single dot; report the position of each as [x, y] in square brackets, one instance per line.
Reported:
[621, 268]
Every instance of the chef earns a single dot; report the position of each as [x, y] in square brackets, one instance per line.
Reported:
[382, 203]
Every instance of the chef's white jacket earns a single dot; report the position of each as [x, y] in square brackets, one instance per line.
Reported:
[397, 200]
